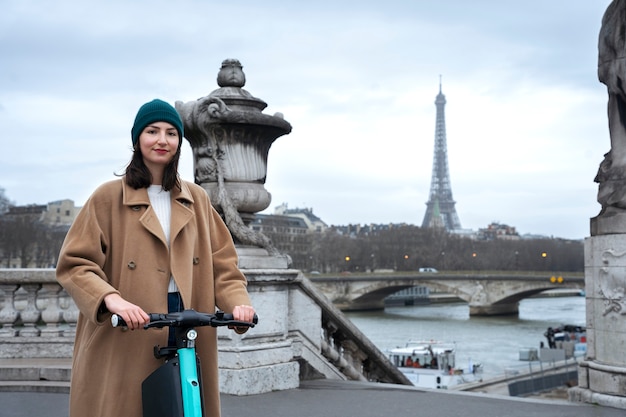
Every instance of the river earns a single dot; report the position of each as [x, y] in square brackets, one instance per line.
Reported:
[492, 341]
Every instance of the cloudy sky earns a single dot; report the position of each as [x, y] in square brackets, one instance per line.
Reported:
[525, 115]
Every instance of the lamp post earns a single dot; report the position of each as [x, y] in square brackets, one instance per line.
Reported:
[544, 256]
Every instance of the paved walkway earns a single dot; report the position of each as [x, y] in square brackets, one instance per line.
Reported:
[344, 399]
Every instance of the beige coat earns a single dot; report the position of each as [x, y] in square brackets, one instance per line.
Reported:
[116, 244]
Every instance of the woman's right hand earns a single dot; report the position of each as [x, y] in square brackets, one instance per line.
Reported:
[133, 315]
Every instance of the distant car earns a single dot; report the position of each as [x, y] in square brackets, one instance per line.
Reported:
[314, 272]
[428, 269]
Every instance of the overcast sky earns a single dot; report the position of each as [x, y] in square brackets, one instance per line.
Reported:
[525, 115]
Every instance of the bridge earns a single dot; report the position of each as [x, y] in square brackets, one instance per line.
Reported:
[486, 294]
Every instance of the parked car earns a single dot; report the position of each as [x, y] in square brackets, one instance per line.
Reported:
[428, 269]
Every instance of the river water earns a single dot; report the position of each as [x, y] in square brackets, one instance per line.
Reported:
[494, 341]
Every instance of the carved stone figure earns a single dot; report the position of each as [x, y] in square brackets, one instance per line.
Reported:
[612, 72]
[602, 372]
[230, 138]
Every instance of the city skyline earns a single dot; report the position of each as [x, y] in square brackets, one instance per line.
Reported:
[64, 210]
[526, 114]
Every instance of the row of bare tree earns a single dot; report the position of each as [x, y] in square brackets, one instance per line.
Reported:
[26, 242]
[408, 248]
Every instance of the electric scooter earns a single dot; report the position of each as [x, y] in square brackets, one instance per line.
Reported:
[175, 388]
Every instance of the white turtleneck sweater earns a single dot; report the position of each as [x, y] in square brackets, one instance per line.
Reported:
[162, 206]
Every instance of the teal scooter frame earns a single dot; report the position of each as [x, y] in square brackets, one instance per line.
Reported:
[175, 388]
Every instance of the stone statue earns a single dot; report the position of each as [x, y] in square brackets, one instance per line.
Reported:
[602, 371]
[612, 72]
[230, 138]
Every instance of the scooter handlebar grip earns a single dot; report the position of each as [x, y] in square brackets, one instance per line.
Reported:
[117, 321]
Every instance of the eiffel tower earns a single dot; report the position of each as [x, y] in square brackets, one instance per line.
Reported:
[440, 211]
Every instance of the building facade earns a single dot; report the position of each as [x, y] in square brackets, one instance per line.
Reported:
[31, 236]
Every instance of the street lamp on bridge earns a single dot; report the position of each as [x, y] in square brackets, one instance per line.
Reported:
[544, 256]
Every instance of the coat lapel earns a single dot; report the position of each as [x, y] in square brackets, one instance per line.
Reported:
[181, 210]
[137, 200]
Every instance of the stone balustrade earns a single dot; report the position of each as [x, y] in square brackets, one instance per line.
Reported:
[37, 316]
[301, 334]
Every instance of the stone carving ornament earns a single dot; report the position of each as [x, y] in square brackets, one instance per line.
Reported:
[611, 283]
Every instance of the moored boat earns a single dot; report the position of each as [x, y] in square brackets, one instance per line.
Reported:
[563, 342]
[432, 364]
[571, 338]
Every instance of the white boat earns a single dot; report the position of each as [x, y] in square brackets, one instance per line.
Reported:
[431, 364]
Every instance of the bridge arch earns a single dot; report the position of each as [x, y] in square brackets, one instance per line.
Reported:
[485, 294]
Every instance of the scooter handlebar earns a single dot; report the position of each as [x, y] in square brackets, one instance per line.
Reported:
[190, 318]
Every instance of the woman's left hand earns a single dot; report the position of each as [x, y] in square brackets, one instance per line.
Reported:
[243, 313]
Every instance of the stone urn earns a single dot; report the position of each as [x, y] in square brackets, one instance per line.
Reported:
[230, 137]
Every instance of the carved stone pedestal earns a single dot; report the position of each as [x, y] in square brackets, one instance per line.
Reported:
[250, 370]
[265, 358]
[602, 375]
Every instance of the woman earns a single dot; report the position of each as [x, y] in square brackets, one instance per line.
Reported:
[147, 242]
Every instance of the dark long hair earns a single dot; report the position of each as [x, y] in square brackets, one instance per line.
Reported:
[138, 175]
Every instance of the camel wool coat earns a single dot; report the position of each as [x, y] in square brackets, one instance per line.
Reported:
[116, 245]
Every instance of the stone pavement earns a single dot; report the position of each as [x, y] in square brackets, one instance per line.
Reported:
[344, 399]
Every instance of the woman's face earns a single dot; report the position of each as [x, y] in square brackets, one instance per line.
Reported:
[158, 143]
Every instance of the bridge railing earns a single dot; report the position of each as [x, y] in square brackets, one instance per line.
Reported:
[346, 347]
[38, 319]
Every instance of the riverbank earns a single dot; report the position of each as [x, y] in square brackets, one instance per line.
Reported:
[535, 371]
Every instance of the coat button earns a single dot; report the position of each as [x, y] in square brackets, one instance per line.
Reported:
[132, 265]
[196, 260]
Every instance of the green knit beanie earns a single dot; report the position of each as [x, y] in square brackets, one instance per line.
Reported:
[156, 111]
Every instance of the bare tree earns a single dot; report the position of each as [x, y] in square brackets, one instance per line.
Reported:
[5, 203]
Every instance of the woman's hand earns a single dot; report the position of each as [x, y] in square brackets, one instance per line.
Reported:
[243, 313]
[133, 315]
